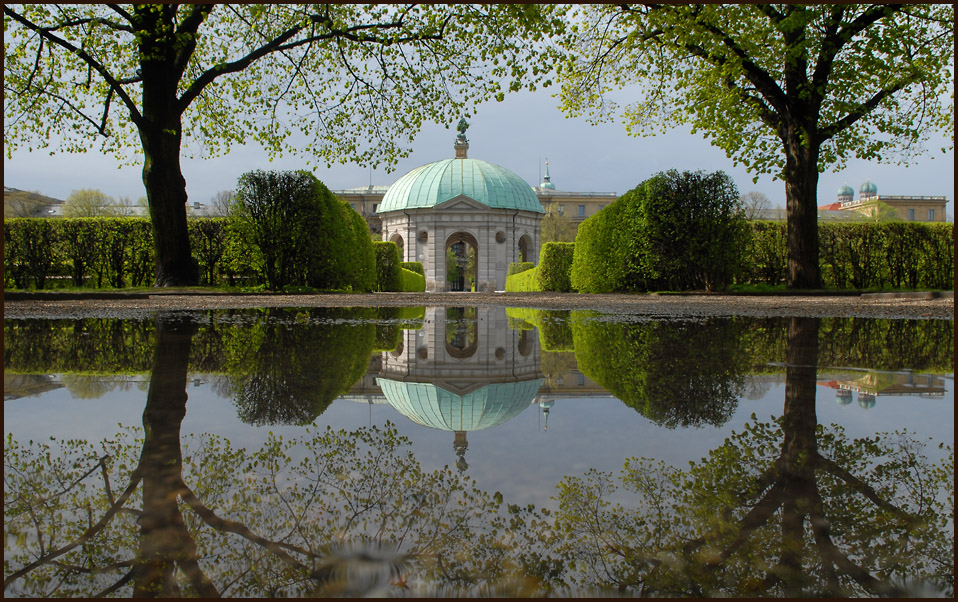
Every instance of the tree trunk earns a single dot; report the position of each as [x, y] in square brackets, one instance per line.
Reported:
[160, 129]
[166, 193]
[801, 205]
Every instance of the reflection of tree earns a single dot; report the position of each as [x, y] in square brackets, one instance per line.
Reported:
[674, 373]
[292, 369]
[783, 509]
[210, 520]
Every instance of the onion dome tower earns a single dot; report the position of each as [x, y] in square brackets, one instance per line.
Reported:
[846, 194]
[868, 191]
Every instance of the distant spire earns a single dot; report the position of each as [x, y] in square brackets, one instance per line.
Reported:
[462, 145]
[547, 179]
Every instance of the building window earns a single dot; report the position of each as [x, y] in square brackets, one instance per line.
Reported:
[581, 210]
[561, 209]
[931, 215]
[911, 215]
[581, 379]
[353, 205]
[374, 207]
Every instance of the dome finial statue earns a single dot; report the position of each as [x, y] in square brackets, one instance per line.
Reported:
[462, 145]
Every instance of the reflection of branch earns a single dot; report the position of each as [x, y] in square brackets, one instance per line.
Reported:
[87, 535]
[116, 586]
[864, 489]
[829, 552]
[755, 518]
[277, 548]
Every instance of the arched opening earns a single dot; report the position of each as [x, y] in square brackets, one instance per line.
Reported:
[396, 238]
[525, 248]
[462, 256]
[462, 332]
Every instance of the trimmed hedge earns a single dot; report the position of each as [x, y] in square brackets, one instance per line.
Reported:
[524, 282]
[414, 266]
[555, 265]
[674, 231]
[517, 267]
[388, 274]
[118, 252]
[861, 255]
[411, 282]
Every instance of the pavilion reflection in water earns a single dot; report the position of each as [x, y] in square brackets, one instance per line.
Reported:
[464, 370]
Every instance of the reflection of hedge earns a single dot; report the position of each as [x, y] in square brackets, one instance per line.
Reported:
[292, 365]
[673, 373]
[555, 332]
[85, 345]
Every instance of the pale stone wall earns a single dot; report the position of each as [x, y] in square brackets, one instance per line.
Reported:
[496, 232]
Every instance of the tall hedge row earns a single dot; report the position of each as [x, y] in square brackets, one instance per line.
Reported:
[118, 252]
[861, 255]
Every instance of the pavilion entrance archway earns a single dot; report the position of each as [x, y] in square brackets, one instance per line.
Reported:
[396, 238]
[462, 260]
[525, 248]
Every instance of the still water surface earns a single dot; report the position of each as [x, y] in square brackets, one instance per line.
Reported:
[473, 451]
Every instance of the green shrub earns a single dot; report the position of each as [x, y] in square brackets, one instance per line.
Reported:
[527, 281]
[412, 282]
[208, 240]
[79, 246]
[768, 252]
[305, 235]
[517, 267]
[555, 266]
[388, 271]
[33, 245]
[355, 253]
[675, 231]
[414, 266]
[600, 263]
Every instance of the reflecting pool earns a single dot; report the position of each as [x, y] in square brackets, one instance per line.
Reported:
[477, 451]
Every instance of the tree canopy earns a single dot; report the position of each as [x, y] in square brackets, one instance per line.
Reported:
[357, 80]
[787, 90]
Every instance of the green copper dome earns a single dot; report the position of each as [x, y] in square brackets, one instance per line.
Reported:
[430, 405]
[436, 183]
[869, 187]
[846, 190]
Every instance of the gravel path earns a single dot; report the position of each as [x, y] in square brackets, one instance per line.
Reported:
[881, 305]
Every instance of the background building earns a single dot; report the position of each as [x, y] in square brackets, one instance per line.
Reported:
[872, 205]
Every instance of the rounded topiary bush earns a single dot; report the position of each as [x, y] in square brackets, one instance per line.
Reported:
[675, 231]
[388, 275]
[555, 266]
[304, 235]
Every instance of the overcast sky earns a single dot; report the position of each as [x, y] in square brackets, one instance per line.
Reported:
[519, 133]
